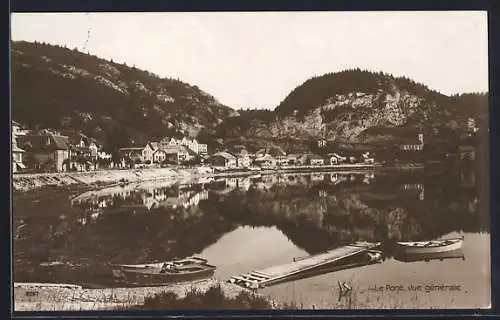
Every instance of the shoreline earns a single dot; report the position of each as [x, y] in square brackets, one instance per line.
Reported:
[32, 182]
[67, 297]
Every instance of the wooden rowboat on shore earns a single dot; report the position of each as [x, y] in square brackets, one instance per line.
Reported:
[162, 273]
[177, 262]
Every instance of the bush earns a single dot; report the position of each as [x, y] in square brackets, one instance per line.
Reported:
[213, 298]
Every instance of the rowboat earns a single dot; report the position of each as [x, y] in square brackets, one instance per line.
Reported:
[155, 274]
[413, 257]
[432, 246]
[178, 262]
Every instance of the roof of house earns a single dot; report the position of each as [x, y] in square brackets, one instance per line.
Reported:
[131, 149]
[191, 152]
[466, 148]
[39, 142]
[265, 157]
[61, 142]
[261, 151]
[225, 155]
[303, 157]
[315, 157]
[240, 151]
[242, 154]
[276, 151]
[169, 149]
[154, 144]
[76, 137]
[413, 140]
[78, 148]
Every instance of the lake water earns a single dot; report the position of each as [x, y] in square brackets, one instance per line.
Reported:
[243, 224]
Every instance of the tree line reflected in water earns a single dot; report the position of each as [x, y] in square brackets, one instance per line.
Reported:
[154, 221]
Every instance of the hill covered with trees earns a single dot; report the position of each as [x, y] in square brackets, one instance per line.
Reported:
[60, 88]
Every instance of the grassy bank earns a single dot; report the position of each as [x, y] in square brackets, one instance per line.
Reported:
[213, 298]
[42, 298]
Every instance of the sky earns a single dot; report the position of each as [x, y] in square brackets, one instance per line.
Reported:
[254, 59]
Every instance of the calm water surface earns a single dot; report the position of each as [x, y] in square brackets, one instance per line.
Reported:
[242, 224]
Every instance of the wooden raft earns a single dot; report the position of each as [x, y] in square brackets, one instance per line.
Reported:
[261, 278]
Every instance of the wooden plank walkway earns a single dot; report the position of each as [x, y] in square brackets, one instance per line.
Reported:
[260, 278]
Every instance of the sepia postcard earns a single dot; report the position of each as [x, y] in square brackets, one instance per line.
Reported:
[250, 160]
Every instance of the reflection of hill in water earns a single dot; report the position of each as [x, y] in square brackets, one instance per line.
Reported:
[314, 214]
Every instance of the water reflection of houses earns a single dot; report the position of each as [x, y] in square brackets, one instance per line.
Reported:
[467, 179]
[337, 178]
[368, 177]
[103, 198]
[143, 196]
[418, 187]
[317, 177]
[226, 185]
[267, 182]
[173, 198]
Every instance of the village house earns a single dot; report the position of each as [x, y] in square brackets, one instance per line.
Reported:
[18, 129]
[147, 154]
[159, 155]
[169, 141]
[130, 155]
[335, 158]
[223, 159]
[177, 154]
[243, 159]
[202, 148]
[270, 157]
[466, 153]
[17, 158]
[154, 145]
[470, 129]
[103, 155]
[83, 152]
[281, 160]
[260, 153]
[46, 151]
[303, 160]
[315, 160]
[265, 161]
[17, 153]
[321, 143]
[158, 152]
[413, 145]
[367, 158]
[80, 158]
[291, 159]
[191, 144]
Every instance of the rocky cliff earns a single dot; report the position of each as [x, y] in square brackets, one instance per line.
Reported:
[360, 106]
